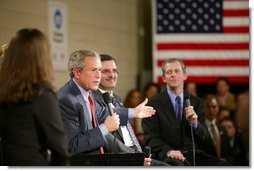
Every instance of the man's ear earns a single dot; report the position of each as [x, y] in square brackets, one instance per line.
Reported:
[76, 72]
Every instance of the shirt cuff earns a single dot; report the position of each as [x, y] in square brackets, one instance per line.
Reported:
[131, 113]
[103, 129]
[195, 126]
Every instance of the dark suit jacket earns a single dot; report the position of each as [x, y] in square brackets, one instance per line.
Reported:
[118, 145]
[225, 146]
[29, 129]
[83, 138]
[162, 132]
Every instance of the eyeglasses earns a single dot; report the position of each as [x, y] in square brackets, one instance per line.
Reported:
[109, 71]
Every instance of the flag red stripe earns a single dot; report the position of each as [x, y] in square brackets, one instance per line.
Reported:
[202, 46]
[212, 62]
[240, 29]
[236, 13]
[212, 79]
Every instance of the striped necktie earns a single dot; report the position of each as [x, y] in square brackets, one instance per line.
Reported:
[129, 127]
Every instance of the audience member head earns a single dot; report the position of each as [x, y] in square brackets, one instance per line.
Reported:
[222, 86]
[224, 112]
[2, 51]
[211, 107]
[85, 68]
[229, 125]
[109, 73]
[151, 89]
[133, 98]
[191, 87]
[26, 66]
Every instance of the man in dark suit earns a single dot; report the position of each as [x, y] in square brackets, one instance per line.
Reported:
[239, 155]
[169, 132]
[125, 134]
[219, 137]
[89, 134]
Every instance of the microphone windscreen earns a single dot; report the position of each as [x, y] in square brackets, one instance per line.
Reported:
[186, 95]
[106, 97]
[187, 98]
[147, 151]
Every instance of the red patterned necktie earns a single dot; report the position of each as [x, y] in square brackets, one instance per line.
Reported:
[91, 102]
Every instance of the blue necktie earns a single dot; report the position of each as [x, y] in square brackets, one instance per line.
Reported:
[178, 108]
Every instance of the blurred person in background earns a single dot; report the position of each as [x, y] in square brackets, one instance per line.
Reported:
[2, 51]
[242, 118]
[151, 89]
[31, 127]
[238, 150]
[224, 112]
[191, 87]
[219, 137]
[224, 96]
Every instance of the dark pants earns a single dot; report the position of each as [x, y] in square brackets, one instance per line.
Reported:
[158, 163]
[200, 160]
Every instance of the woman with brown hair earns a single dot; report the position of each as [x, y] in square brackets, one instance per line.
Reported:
[31, 128]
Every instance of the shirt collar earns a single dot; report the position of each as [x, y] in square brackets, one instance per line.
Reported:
[103, 91]
[209, 122]
[172, 95]
[84, 93]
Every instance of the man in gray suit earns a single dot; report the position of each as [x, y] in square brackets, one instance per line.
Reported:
[87, 133]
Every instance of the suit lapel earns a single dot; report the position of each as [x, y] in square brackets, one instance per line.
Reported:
[99, 96]
[169, 109]
[81, 100]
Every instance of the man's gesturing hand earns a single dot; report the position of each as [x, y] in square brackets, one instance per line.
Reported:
[142, 111]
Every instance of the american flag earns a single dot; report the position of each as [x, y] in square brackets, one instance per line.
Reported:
[211, 36]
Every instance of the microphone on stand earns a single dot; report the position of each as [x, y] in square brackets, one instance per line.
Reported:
[147, 151]
[187, 102]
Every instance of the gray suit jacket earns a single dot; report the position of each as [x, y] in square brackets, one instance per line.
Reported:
[83, 138]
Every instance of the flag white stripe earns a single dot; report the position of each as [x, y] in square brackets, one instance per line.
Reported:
[235, 4]
[203, 54]
[213, 71]
[236, 21]
[212, 38]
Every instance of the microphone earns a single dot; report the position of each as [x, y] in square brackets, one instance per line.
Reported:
[107, 100]
[147, 151]
[187, 100]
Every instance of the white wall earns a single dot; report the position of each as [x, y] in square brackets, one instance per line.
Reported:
[106, 26]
